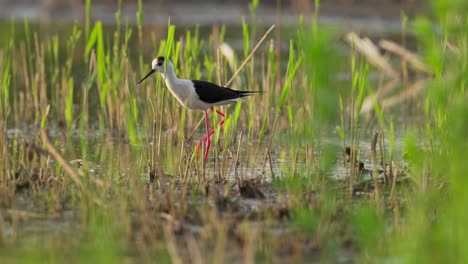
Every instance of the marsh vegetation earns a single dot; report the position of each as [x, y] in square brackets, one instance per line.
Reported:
[353, 152]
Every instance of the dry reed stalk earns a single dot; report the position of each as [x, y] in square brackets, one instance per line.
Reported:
[75, 175]
[171, 244]
[406, 55]
[194, 250]
[412, 91]
[368, 103]
[371, 52]
[374, 169]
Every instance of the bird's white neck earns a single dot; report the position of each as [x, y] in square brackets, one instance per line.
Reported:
[180, 88]
[169, 75]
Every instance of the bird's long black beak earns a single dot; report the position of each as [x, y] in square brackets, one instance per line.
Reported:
[147, 75]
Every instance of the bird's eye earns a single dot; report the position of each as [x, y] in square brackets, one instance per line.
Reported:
[159, 63]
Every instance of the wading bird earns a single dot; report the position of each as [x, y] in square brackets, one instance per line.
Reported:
[196, 95]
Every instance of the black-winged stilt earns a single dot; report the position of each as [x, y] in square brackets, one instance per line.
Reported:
[196, 95]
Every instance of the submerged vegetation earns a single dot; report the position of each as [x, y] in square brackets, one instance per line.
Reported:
[319, 167]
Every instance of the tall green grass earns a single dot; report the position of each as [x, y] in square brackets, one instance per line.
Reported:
[435, 231]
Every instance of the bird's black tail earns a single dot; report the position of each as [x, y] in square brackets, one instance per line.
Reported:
[247, 93]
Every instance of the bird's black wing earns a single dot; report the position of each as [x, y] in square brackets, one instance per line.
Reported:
[212, 93]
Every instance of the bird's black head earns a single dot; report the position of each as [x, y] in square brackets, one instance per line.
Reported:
[158, 63]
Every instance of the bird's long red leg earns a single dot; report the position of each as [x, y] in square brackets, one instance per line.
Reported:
[209, 133]
[206, 138]
[222, 115]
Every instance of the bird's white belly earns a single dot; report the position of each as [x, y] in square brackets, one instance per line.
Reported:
[186, 95]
